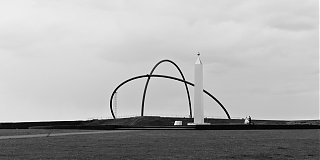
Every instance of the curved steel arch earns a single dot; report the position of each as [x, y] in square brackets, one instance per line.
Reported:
[162, 76]
[148, 80]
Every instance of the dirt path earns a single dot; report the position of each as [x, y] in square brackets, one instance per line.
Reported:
[60, 134]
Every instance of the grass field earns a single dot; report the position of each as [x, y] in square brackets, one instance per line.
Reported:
[166, 144]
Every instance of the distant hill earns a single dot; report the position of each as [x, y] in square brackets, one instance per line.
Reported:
[26, 125]
[169, 121]
[151, 121]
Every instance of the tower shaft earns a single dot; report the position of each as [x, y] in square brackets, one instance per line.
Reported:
[198, 93]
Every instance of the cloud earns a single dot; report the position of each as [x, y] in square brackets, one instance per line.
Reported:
[68, 55]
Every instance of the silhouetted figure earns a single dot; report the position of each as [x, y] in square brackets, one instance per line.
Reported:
[249, 120]
[246, 120]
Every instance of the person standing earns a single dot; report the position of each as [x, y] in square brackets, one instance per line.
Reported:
[246, 120]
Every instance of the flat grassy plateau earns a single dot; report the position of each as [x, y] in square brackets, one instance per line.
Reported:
[165, 144]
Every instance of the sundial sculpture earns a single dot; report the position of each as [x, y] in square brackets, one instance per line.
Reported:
[198, 96]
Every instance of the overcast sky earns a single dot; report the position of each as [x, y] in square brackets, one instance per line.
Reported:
[61, 59]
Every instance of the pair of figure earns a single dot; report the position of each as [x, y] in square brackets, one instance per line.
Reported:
[247, 120]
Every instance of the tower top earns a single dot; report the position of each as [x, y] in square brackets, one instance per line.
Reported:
[198, 60]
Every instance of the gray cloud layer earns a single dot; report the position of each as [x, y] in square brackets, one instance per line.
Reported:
[62, 59]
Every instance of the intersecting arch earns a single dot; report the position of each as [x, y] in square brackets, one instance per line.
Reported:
[162, 76]
[148, 80]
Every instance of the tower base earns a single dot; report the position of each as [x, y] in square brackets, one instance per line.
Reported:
[192, 124]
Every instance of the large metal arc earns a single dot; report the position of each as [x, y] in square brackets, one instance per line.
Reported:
[148, 80]
[163, 76]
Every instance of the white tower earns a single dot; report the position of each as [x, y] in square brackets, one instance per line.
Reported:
[198, 92]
